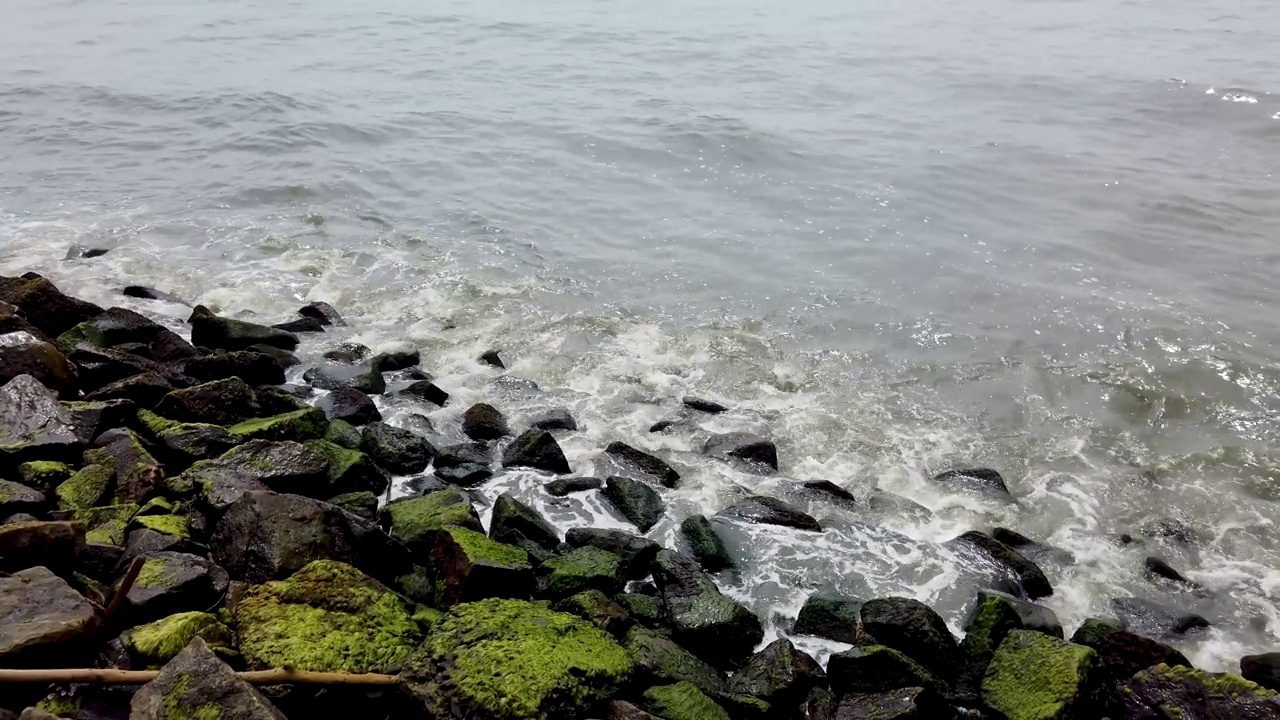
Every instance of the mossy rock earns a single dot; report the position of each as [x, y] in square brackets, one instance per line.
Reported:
[106, 525]
[299, 426]
[175, 525]
[584, 568]
[361, 504]
[44, 475]
[343, 434]
[18, 498]
[327, 617]
[515, 660]
[645, 609]
[350, 470]
[659, 660]
[85, 488]
[186, 443]
[780, 675]
[414, 520]
[82, 335]
[596, 608]
[876, 669]
[682, 701]
[137, 472]
[1166, 691]
[465, 565]
[156, 643]
[158, 506]
[1036, 677]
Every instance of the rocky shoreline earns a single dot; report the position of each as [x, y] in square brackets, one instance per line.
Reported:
[255, 515]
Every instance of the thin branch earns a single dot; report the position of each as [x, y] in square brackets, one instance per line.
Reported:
[139, 677]
[125, 586]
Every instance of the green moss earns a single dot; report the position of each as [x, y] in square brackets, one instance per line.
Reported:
[1033, 676]
[1222, 685]
[178, 709]
[683, 701]
[63, 707]
[299, 425]
[340, 459]
[158, 506]
[426, 617]
[155, 572]
[155, 644]
[80, 335]
[412, 519]
[582, 569]
[154, 425]
[327, 617]
[106, 525]
[176, 525]
[85, 488]
[44, 473]
[356, 502]
[644, 608]
[343, 434]
[665, 661]
[480, 548]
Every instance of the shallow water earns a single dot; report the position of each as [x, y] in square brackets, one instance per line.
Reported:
[1034, 236]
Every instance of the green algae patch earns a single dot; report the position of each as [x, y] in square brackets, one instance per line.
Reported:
[155, 572]
[85, 488]
[480, 548]
[585, 568]
[44, 474]
[413, 521]
[682, 701]
[299, 426]
[60, 706]
[327, 617]
[84, 334]
[154, 425]
[155, 644]
[349, 470]
[1033, 676]
[176, 525]
[106, 525]
[511, 659]
[343, 434]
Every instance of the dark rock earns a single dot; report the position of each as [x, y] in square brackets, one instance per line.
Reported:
[413, 521]
[22, 353]
[1025, 574]
[143, 541]
[221, 402]
[285, 467]
[197, 679]
[579, 570]
[705, 544]
[634, 500]
[170, 347]
[427, 390]
[914, 629]
[33, 425]
[770, 511]
[361, 377]
[554, 419]
[820, 705]
[992, 618]
[622, 710]
[1030, 616]
[1262, 669]
[779, 674]
[646, 610]
[1157, 567]
[395, 360]
[466, 475]
[596, 608]
[362, 504]
[301, 325]
[1175, 529]
[536, 449]
[984, 480]
[349, 353]
[830, 489]
[1012, 538]
[706, 406]
[254, 368]
[831, 617]
[322, 311]
[465, 566]
[876, 669]
[350, 470]
[1122, 653]
[637, 553]
[757, 452]
[44, 305]
[659, 660]
[643, 463]
[45, 620]
[173, 582]
[1182, 692]
[12, 321]
[146, 293]
[483, 422]
[18, 498]
[145, 390]
[515, 523]
[1034, 675]
[284, 358]
[181, 444]
[118, 326]
[900, 704]
[399, 451]
[661, 426]
[138, 474]
[103, 367]
[350, 405]
[491, 358]
[77, 252]
[720, 630]
[218, 333]
[1145, 616]
[565, 486]
[34, 542]
[343, 434]
[44, 476]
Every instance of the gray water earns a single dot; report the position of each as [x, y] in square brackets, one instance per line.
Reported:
[1035, 236]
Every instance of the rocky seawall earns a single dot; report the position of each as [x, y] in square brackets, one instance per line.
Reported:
[169, 502]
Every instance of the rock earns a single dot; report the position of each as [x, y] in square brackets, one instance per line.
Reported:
[468, 475]
[86, 488]
[831, 617]
[399, 451]
[554, 419]
[483, 422]
[322, 311]
[705, 544]
[327, 617]
[360, 377]
[1157, 568]
[706, 406]
[22, 353]
[581, 569]
[344, 434]
[1024, 574]
[209, 330]
[514, 659]
[142, 292]
[1261, 669]
[983, 480]
[662, 426]
[33, 713]
[719, 629]
[350, 470]
[831, 490]
[166, 524]
[107, 523]
[636, 553]
[16, 498]
[565, 486]
[120, 326]
[516, 386]
[465, 566]
[350, 405]
[1033, 675]
[278, 400]
[1183, 692]
[993, 617]
[298, 426]
[12, 321]
[254, 368]
[646, 610]
[536, 449]
[683, 701]
[221, 402]
[142, 541]
[285, 467]
[622, 710]
[44, 305]
[301, 325]
[363, 504]
[491, 358]
[634, 500]
[779, 674]
[173, 582]
[44, 475]
[349, 353]
[1122, 653]
[517, 524]
[395, 360]
[181, 444]
[596, 608]
[77, 252]
[98, 368]
[1145, 616]
[92, 419]
[138, 474]
[284, 358]
[876, 669]
[44, 619]
[1171, 528]
[461, 454]
[413, 521]
[156, 643]
[659, 660]
[33, 425]
[197, 685]
[643, 463]
[427, 390]
[751, 449]
[770, 511]
[36, 542]
[900, 704]
[145, 390]
[914, 629]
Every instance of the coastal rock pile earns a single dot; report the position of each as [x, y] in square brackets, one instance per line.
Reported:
[254, 516]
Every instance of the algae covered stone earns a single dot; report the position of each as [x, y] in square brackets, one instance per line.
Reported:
[659, 660]
[584, 568]
[173, 582]
[86, 487]
[465, 565]
[196, 685]
[515, 660]
[106, 524]
[1033, 676]
[875, 669]
[1167, 691]
[779, 674]
[350, 470]
[156, 643]
[298, 426]
[683, 701]
[327, 617]
[716, 627]
[44, 475]
[413, 521]
[176, 525]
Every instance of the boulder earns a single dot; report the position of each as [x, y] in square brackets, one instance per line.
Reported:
[993, 617]
[659, 660]
[646, 610]
[683, 701]
[515, 523]
[24, 544]
[44, 475]
[322, 311]
[413, 521]
[173, 582]
[634, 500]
[596, 608]
[876, 669]
[566, 486]
[280, 399]
[901, 704]
[643, 463]
[145, 390]
[1033, 675]
[983, 480]
[221, 402]
[343, 433]
[121, 326]
[536, 449]
[218, 333]
[143, 292]
[1157, 568]
[106, 523]
[636, 553]
[1183, 692]
[33, 425]
[483, 422]
[1153, 618]
[1122, 653]
[710, 407]
[581, 569]
[755, 452]
[492, 358]
[558, 418]
[779, 674]
[467, 453]
[505, 659]
[719, 629]
[464, 566]
[1263, 669]
[137, 473]
[89, 486]
[299, 426]
[45, 620]
[44, 305]
[832, 617]
[705, 544]
[1025, 574]
[254, 368]
[197, 685]
[770, 511]
[363, 504]
[285, 467]
[301, 325]
[394, 360]
[327, 617]
[915, 630]
[350, 405]
[350, 470]
[156, 643]
[92, 419]
[468, 475]
[12, 321]
[18, 498]
[400, 451]
[362, 377]
[427, 390]
[101, 367]
[22, 353]
[181, 444]
[829, 490]
[143, 540]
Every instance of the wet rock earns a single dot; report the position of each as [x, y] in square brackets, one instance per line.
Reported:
[622, 710]
[35, 542]
[170, 347]
[221, 402]
[659, 660]
[832, 617]
[350, 405]
[581, 569]
[197, 684]
[596, 608]
[720, 630]
[467, 475]
[992, 619]
[770, 511]
[43, 475]
[399, 451]
[298, 426]
[465, 566]
[17, 498]
[483, 422]
[567, 666]
[643, 463]
[491, 358]
[565, 486]
[554, 419]
[77, 252]
[344, 434]
[634, 500]
[705, 544]
[181, 444]
[218, 333]
[914, 629]
[138, 474]
[362, 504]
[984, 480]
[118, 326]
[33, 425]
[1183, 692]
[395, 360]
[99, 368]
[1157, 568]
[413, 521]
[706, 406]
[517, 524]
[1122, 653]
[350, 470]
[636, 553]
[143, 541]
[360, 377]
[1027, 575]
[154, 644]
[283, 358]
[758, 453]
[286, 467]
[512, 385]
[45, 620]
[1175, 529]
[281, 399]
[876, 669]
[1262, 669]
[92, 419]
[1153, 618]
[683, 701]
[143, 292]
[662, 426]
[173, 582]
[1036, 552]
[536, 449]
[254, 368]
[301, 325]
[322, 311]
[900, 704]
[779, 674]
[106, 524]
[829, 489]
[44, 305]
[646, 610]
[145, 390]
[22, 353]
[428, 391]
[1034, 675]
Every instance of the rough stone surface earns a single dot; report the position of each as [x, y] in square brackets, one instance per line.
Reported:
[255, 368]
[581, 569]
[156, 643]
[1182, 692]
[221, 402]
[636, 553]
[723, 632]
[902, 704]
[875, 669]
[643, 463]
[350, 405]
[705, 544]
[145, 390]
[536, 449]
[196, 685]
[779, 674]
[831, 617]
[984, 480]
[350, 470]
[1033, 676]
[359, 377]
[1122, 653]
[413, 521]
[34, 425]
[1152, 618]
[36, 542]
[771, 511]
[1263, 669]
[211, 331]
[41, 618]
[483, 422]
[554, 419]
[914, 629]
[745, 447]
[517, 524]
[566, 486]
[658, 660]
[634, 500]
[465, 566]
[400, 451]
[89, 486]
[138, 474]
[298, 426]
[173, 582]
[1025, 574]
[596, 608]
[22, 353]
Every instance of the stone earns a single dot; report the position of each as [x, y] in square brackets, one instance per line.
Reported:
[78, 252]
[427, 390]
[199, 686]
[101, 367]
[636, 553]
[24, 544]
[1025, 575]
[829, 489]
[142, 540]
[18, 498]
[283, 358]
[363, 504]
[350, 405]
[1262, 669]
[44, 475]
[1176, 529]
[832, 617]
[646, 610]
[983, 480]
[992, 618]
[771, 511]
[566, 486]
[106, 523]
[285, 467]
[701, 405]
[156, 643]
[914, 629]
[1147, 617]
[467, 453]
[89, 486]
[464, 566]
[44, 305]
[12, 321]
[900, 704]
[280, 399]
[1183, 692]
[395, 360]
[634, 500]
[558, 418]
[1157, 567]
[662, 426]
[221, 402]
[581, 569]
[170, 347]
[90, 420]
[659, 660]
[298, 426]
[1033, 675]
[507, 659]
[719, 629]
[350, 470]
[44, 619]
[121, 326]
[1122, 653]
[179, 445]
[33, 425]
[515, 523]
[168, 524]
[596, 608]
[145, 390]
[643, 463]
[536, 449]
[142, 292]
[413, 521]
[359, 377]
[22, 353]
[138, 474]
[254, 368]
[33, 713]
[779, 674]
[756, 452]
[468, 475]
[173, 582]
[218, 333]
[483, 422]
[322, 311]
[344, 434]
[876, 669]
[400, 451]
[301, 325]
[705, 544]
[492, 358]
[683, 701]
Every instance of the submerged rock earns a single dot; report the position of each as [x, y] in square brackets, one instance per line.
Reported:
[483, 422]
[554, 419]
[659, 660]
[218, 333]
[831, 617]
[637, 502]
[1182, 692]
[322, 311]
[705, 544]
[1263, 669]
[914, 629]
[984, 480]
[427, 390]
[1027, 575]
[196, 684]
[492, 358]
[536, 449]
[45, 620]
[829, 489]
[719, 629]
[221, 402]
[1154, 618]
[394, 360]
[779, 674]
[759, 453]
[636, 553]
[707, 406]
[364, 378]
[399, 451]
[643, 463]
[1034, 676]
[771, 511]
[142, 292]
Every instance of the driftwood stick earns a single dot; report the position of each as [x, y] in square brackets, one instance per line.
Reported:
[139, 677]
[126, 585]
